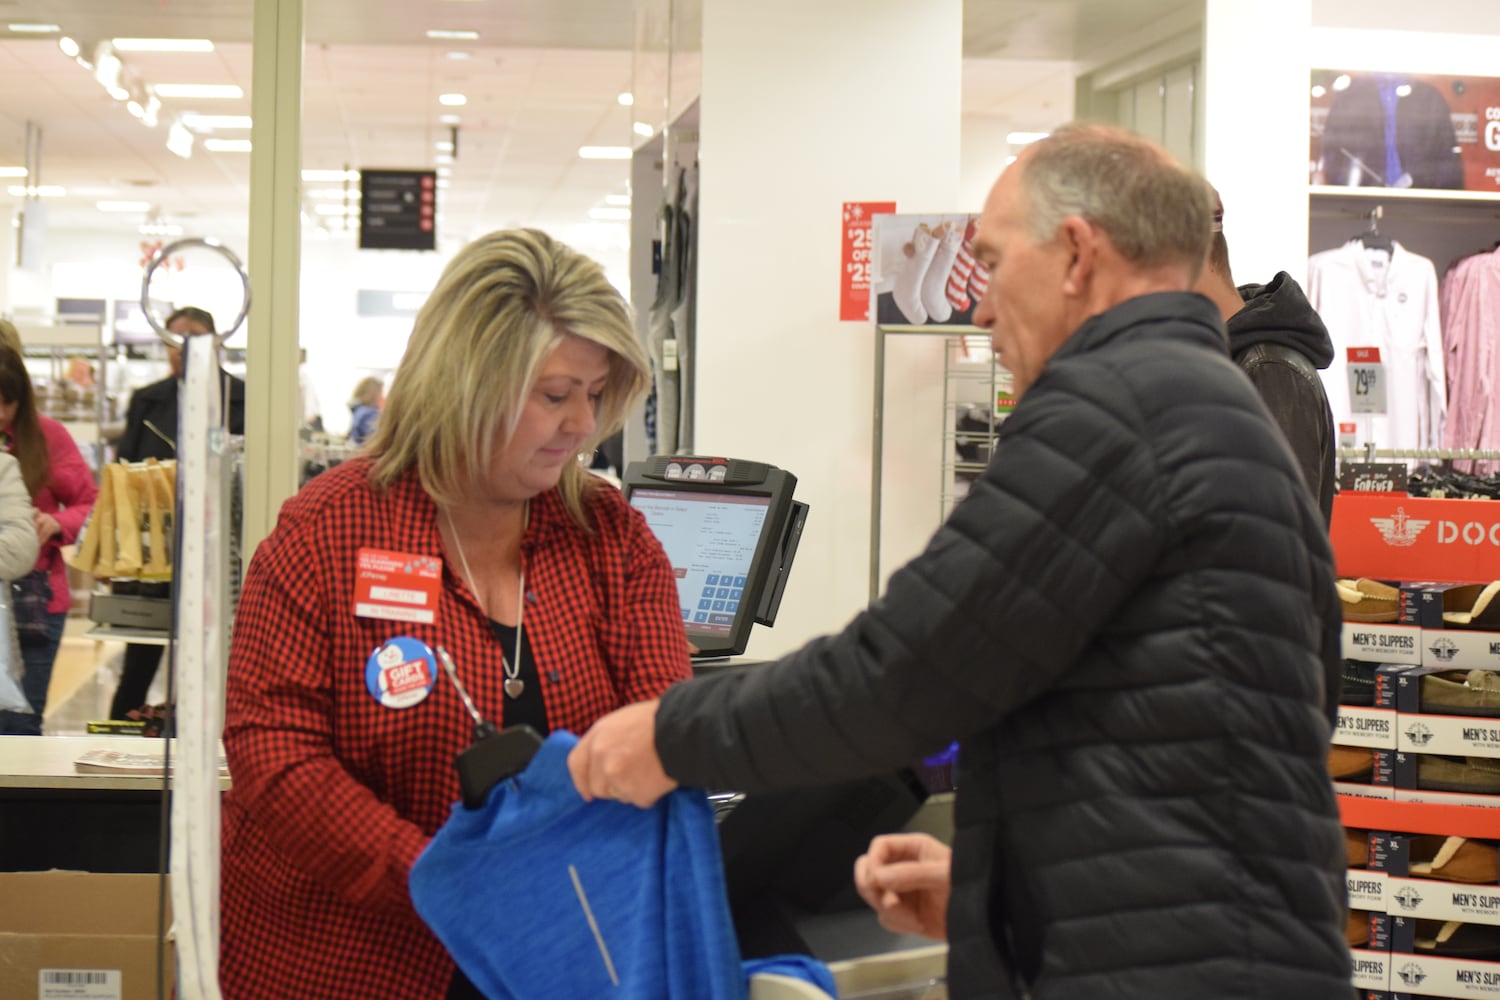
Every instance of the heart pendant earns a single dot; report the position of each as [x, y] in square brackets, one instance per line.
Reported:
[514, 686]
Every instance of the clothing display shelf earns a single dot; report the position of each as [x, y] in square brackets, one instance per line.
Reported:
[49, 349]
[972, 383]
[1369, 453]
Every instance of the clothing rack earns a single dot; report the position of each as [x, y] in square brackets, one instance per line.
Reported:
[1370, 453]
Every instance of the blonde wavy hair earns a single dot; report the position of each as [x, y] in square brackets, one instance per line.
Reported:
[502, 305]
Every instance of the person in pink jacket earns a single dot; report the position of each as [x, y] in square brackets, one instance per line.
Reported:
[62, 490]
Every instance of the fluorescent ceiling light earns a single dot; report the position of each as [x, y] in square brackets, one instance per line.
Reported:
[444, 171]
[340, 194]
[604, 152]
[34, 28]
[192, 120]
[330, 175]
[227, 145]
[605, 213]
[626, 99]
[206, 91]
[641, 128]
[118, 93]
[44, 191]
[617, 199]
[443, 158]
[443, 145]
[326, 209]
[123, 206]
[454, 35]
[452, 100]
[457, 55]
[180, 140]
[442, 183]
[1022, 138]
[162, 44]
[70, 48]
[135, 109]
[449, 119]
[13, 171]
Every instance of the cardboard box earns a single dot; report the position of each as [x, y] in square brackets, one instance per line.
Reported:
[80, 936]
[1372, 969]
[1460, 648]
[132, 611]
[1373, 725]
[1444, 977]
[1366, 890]
[1423, 603]
[1382, 643]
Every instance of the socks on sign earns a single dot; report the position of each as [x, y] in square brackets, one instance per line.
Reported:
[908, 293]
[935, 285]
[979, 280]
[963, 266]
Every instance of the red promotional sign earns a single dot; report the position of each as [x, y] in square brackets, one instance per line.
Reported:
[1405, 130]
[858, 261]
[1412, 538]
[1364, 355]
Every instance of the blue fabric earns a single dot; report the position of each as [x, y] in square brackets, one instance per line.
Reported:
[38, 654]
[362, 423]
[495, 886]
[802, 967]
[1387, 84]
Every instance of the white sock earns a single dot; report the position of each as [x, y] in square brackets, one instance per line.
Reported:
[908, 293]
[935, 284]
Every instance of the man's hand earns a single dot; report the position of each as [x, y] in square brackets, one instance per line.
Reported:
[907, 879]
[46, 526]
[616, 759]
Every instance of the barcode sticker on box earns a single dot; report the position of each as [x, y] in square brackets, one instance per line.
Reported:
[78, 984]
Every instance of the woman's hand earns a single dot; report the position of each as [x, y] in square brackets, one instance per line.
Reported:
[46, 527]
[907, 879]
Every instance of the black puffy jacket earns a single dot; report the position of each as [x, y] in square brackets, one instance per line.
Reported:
[1131, 625]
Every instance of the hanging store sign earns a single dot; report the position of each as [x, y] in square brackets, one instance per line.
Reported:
[397, 209]
[858, 260]
[1405, 130]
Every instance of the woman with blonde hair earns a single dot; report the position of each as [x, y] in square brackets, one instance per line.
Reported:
[467, 524]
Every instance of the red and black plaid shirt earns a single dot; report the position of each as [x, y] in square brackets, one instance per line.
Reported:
[334, 795]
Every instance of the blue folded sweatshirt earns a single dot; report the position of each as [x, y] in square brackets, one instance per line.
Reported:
[539, 894]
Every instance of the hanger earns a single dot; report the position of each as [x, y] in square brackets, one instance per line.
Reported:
[1372, 238]
[495, 755]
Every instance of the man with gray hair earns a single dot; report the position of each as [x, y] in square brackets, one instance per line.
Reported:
[1130, 626]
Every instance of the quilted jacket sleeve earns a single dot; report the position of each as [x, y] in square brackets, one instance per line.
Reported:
[1054, 537]
[18, 543]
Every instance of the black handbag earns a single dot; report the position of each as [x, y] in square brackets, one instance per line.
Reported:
[30, 596]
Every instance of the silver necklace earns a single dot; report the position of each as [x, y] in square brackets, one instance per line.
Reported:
[513, 683]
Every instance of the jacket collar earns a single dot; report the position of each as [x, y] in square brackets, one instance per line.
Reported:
[1193, 318]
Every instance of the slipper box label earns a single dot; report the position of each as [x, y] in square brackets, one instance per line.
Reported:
[1382, 643]
[1366, 889]
[1427, 976]
[1461, 648]
[1426, 898]
[1457, 735]
[1372, 969]
[1365, 727]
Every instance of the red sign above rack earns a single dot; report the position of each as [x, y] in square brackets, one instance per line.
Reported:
[1413, 538]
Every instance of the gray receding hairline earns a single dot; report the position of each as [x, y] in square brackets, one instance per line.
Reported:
[1155, 211]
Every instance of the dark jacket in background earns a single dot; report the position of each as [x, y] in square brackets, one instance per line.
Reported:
[1280, 342]
[156, 405]
[1425, 143]
[1131, 626]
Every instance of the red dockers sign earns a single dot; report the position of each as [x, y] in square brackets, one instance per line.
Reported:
[1394, 537]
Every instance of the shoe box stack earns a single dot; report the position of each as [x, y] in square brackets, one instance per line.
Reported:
[1420, 722]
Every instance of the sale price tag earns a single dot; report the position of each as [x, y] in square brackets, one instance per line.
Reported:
[1366, 380]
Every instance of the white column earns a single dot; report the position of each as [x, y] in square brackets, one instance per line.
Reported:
[1253, 105]
[272, 403]
[806, 106]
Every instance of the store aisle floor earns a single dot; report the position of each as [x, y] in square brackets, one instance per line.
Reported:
[84, 676]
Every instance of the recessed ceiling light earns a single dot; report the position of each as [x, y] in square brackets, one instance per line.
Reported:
[330, 175]
[227, 145]
[327, 209]
[208, 91]
[458, 55]
[180, 140]
[449, 119]
[163, 44]
[34, 28]
[119, 93]
[12, 171]
[442, 183]
[617, 199]
[123, 206]
[70, 48]
[452, 100]
[445, 171]
[42, 191]
[443, 145]
[192, 120]
[135, 109]
[641, 128]
[337, 194]
[626, 99]
[609, 214]
[442, 158]
[604, 152]
[452, 35]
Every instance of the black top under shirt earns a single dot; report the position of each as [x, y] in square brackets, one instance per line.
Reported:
[529, 709]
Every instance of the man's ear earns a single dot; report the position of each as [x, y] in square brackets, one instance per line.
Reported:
[1080, 242]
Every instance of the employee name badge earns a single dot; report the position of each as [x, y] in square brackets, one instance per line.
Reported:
[1366, 380]
[397, 586]
[401, 672]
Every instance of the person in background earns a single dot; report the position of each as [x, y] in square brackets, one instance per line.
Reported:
[554, 598]
[312, 410]
[62, 491]
[1130, 625]
[151, 432]
[364, 406]
[1280, 342]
